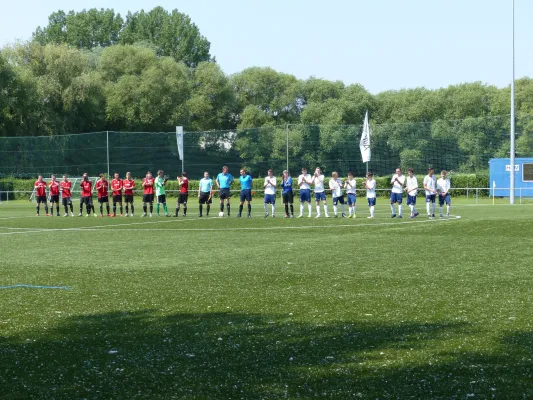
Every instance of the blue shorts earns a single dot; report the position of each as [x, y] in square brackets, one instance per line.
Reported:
[411, 200]
[444, 199]
[338, 200]
[305, 195]
[430, 198]
[320, 196]
[371, 201]
[351, 199]
[270, 199]
[246, 194]
[396, 198]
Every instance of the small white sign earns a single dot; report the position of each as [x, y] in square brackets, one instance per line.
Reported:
[508, 168]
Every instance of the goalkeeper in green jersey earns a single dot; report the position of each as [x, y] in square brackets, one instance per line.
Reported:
[159, 183]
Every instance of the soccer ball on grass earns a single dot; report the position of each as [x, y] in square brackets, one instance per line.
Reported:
[221, 214]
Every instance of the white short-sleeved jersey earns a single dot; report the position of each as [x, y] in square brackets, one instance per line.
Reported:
[370, 189]
[352, 185]
[336, 187]
[412, 186]
[270, 189]
[318, 181]
[431, 183]
[443, 185]
[397, 187]
[302, 181]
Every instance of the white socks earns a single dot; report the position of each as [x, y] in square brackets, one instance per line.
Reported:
[371, 211]
[326, 209]
[334, 209]
[400, 209]
[273, 208]
[309, 208]
[302, 209]
[392, 208]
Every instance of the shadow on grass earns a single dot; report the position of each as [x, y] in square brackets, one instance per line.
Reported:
[232, 356]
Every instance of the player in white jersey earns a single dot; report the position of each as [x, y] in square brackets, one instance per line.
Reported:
[397, 182]
[443, 188]
[430, 186]
[350, 185]
[335, 185]
[270, 192]
[320, 192]
[411, 187]
[370, 185]
[304, 180]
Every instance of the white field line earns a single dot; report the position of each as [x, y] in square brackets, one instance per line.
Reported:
[84, 228]
[113, 227]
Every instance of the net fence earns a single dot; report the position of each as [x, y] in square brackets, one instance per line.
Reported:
[460, 145]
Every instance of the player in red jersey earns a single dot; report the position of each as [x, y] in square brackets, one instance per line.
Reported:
[148, 193]
[53, 187]
[86, 195]
[129, 185]
[183, 195]
[116, 186]
[102, 186]
[40, 194]
[65, 186]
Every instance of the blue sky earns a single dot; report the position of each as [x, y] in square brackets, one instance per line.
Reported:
[381, 44]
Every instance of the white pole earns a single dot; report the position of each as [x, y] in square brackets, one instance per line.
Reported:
[107, 140]
[183, 155]
[512, 150]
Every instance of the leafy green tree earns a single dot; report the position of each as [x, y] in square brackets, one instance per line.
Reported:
[212, 101]
[150, 93]
[274, 93]
[85, 29]
[173, 34]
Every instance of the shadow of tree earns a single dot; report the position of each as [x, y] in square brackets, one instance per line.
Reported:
[232, 356]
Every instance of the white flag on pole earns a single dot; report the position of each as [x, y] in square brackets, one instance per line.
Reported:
[179, 138]
[364, 144]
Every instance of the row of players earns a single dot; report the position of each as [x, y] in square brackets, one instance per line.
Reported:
[223, 181]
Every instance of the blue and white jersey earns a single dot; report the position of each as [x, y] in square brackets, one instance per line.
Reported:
[246, 182]
[206, 184]
[224, 180]
[286, 186]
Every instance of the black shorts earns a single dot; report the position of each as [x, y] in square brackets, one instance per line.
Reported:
[87, 200]
[246, 195]
[41, 199]
[182, 198]
[224, 194]
[54, 198]
[162, 199]
[117, 198]
[104, 199]
[67, 201]
[288, 197]
[205, 198]
[128, 198]
[148, 198]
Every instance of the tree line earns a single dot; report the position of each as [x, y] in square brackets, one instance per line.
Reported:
[150, 71]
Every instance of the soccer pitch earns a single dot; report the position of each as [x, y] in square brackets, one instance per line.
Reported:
[227, 308]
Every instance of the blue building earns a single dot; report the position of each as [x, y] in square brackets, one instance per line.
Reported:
[500, 175]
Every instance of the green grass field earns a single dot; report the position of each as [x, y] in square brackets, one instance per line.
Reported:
[223, 308]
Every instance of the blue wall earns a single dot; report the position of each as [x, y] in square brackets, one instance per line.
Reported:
[500, 174]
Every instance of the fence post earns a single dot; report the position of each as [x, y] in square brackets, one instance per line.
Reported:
[287, 137]
[107, 140]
